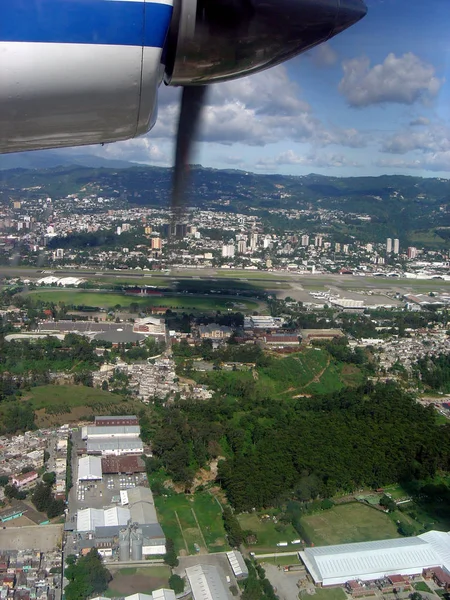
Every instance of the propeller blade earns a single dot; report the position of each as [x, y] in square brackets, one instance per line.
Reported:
[191, 107]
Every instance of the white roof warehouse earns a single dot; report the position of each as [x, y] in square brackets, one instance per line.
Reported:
[367, 561]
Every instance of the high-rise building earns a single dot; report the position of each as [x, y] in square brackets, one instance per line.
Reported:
[156, 243]
[228, 250]
[147, 230]
[267, 241]
[337, 247]
[59, 253]
[242, 246]
[305, 240]
[389, 245]
[119, 230]
[253, 241]
[412, 252]
[345, 248]
[396, 246]
[318, 240]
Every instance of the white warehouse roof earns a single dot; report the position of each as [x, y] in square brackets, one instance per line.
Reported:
[206, 583]
[237, 563]
[90, 518]
[116, 446]
[161, 594]
[334, 565]
[89, 467]
[94, 432]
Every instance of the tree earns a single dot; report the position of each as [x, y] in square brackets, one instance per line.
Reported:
[176, 584]
[12, 491]
[4, 480]
[88, 576]
[388, 503]
[170, 557]
[232, 527]
[49, 478]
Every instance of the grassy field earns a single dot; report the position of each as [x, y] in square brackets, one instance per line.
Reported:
[310, 371]
[280, 559]
[108, 300]
[134, 580]
[268, 533]
[190, 520]
[327, 594]
[348, 523]
[59, 404]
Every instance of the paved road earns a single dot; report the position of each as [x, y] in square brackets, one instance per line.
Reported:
[277, 554]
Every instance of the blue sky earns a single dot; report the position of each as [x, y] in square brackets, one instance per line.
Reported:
[373, 100]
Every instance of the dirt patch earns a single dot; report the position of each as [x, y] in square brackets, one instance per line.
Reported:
[207, 475]
[125, 585]
[219, 542]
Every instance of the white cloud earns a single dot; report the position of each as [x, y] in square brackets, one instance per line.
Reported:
[405, 79]
[324, 55]
[308, 160]
[257, 110]
[437, 161]
[434, 138]
[419, 121]
[140, 149]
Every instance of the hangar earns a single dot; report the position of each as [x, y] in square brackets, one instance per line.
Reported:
[368, 561]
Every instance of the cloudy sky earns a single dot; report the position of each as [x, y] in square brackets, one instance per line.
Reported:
[374, 100]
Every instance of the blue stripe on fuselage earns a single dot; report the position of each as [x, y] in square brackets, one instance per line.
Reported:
[85, 22]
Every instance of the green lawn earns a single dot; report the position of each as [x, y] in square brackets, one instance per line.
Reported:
[209, 516]
[327, 594]
[268, 533]
[421, 586]
[46, 396]
[348, 523]
[59, 404]
[108, 300]
[145, 580]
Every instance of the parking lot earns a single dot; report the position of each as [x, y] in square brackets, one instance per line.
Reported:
[99, 494]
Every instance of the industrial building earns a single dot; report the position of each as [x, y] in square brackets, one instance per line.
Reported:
[112, 439]
[237, 564]
[111, 421]
[369, 561]
[122, 464]
[206, 583]
[130, 531]
[161, 594]
[117, 446]
[95, 432]
[89, 468]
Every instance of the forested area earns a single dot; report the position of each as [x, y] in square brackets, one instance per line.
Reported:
[304, 448]
[434, 372]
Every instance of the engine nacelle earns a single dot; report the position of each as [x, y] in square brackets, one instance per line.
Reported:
[77, 72]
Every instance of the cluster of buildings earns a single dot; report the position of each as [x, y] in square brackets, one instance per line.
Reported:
[22, 458]
[246, 242]
[30, 575]
[112, 506]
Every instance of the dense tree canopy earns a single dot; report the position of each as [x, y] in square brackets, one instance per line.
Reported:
[88, 576]
[309, 447]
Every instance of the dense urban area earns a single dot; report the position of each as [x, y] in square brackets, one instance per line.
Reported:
[253, 402]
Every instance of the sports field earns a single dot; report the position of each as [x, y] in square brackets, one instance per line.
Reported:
[268, 533]
[108, 300]
[190, 520]
[131, 580]
[344, 523]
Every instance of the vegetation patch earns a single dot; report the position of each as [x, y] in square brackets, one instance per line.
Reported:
[268, 532]
[109, 300]
[192, 520]
[346, 523]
